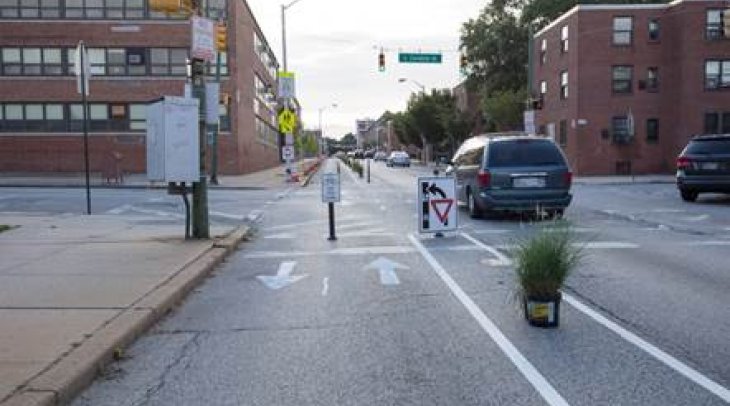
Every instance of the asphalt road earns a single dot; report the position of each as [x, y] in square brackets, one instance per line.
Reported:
[383, 316]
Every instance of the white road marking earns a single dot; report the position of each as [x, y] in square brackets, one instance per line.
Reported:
[282, 236]
[386, 268]
[382, 250]
[383, 208]
[716, 243]
[677, 365]
[701, 217]
[119, 210]
[325, 286]
[551, 396]
[501, 259]
[606, 245]
[490, 231]
[226, 215]
[283, 277]
[156, 212]
[667, 211]
[255, 216]
[310, 223]
[367, 233]
[356, 225]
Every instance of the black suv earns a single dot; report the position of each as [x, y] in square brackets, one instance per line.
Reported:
[704, 166]
[511, 172]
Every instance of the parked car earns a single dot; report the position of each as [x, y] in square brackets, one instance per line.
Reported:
[511, 172]
[380, 156]
[369, 153]
[398, 158]
[704, 166]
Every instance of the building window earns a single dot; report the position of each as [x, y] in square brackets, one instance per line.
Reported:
[653, 30]
[138, 117]
[713, 25]
[97, 61]
[543, 88]
[652, 79]
[543, 51]
[224, 64]
[32, 61]
[622, 81]
[621, 129]
[12, 64]
[116, 62]
[166, 61]
[564, 39]
[564, 85]
[563, 133]
[52, 61]
[652, 130]
[622, 30]
[717, 74]
[717, 123]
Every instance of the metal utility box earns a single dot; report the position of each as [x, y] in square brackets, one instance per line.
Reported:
[173, 142]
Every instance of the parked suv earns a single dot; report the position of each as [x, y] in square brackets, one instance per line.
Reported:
[704, 166]
[511, 172]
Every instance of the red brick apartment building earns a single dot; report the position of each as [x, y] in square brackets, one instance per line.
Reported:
[136, 56]
[624, 87]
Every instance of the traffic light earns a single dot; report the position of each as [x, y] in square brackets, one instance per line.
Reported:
[726, 22]
[221, 36]
[463, 63]
[165, 6]
[381, 61]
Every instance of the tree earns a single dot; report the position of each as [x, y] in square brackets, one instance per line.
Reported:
[349, 139]
[505, 108]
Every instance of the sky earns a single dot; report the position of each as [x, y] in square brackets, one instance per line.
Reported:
[333, 46]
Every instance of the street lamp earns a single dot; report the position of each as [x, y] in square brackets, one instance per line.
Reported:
[321, 132]
[283, 31]
[403, 80]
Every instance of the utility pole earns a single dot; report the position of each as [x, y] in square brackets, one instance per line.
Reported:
[201, 228]
[216, 127]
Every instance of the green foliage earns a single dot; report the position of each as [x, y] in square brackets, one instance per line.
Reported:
[5, 227]
[505, 108]
[349, 139]
[545, 260]
[432, 118]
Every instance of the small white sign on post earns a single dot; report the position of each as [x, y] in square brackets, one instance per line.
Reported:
[212, 97]
[437, 207]
[529, 118]
[203, 43]
[287, 152]
[83, 73]
[330, 188]
[287, 85]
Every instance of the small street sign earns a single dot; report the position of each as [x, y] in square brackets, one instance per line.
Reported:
[203, 43]
[287, 121]
[437, 208]
[287, 85]
[330, 188]
[287, 152]
[418, 58]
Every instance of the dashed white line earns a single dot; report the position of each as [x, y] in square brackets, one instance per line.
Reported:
[690, 373]
[325, 286]
[551, 396]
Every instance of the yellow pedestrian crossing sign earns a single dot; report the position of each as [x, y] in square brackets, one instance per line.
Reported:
[287, 121]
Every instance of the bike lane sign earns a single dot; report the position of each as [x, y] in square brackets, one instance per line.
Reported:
[437, 206]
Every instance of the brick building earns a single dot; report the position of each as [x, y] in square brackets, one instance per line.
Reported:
[136, 56]
[624, 87]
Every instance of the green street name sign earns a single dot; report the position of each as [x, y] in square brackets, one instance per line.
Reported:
[418, 58]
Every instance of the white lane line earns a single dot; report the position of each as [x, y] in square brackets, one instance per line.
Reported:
[551, 396]
[309, 223]
[119, 210]
[356, 225]
[502, 259]
[335, 252]
[601, 245]
[157, 212]
[281, 236]
[325, 286]
[383, 208]
[701, 217]
[717, 243]
[255, 216]
[364, 234]
[677, 365]
[227, 216]
[490, 231]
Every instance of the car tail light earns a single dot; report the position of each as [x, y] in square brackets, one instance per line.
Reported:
[484, 178]
[684, 163]
[568, 178]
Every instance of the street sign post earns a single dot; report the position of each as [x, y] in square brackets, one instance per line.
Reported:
[404, 57]
[331, 195]
[287, 152]
[287, 85]
[437, 206]
[287, 121]
[203, 43]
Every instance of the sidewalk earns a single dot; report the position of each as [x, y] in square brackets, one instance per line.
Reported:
[75, 290]
[267, 178]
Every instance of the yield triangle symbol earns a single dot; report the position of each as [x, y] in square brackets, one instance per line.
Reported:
[442, 208]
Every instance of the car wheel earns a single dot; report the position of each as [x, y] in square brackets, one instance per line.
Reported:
[471, 206]
[688, 195]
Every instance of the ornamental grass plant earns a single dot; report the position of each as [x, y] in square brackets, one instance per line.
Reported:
[545, 260]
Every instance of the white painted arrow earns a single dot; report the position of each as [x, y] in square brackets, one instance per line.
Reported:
[283, 277]
[387, 269]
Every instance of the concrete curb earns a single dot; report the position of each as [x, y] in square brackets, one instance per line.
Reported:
[74, 371]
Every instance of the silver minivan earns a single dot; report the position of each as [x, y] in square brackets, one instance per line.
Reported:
[502, 172]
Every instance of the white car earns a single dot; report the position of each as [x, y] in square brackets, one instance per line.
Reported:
[398, 158]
